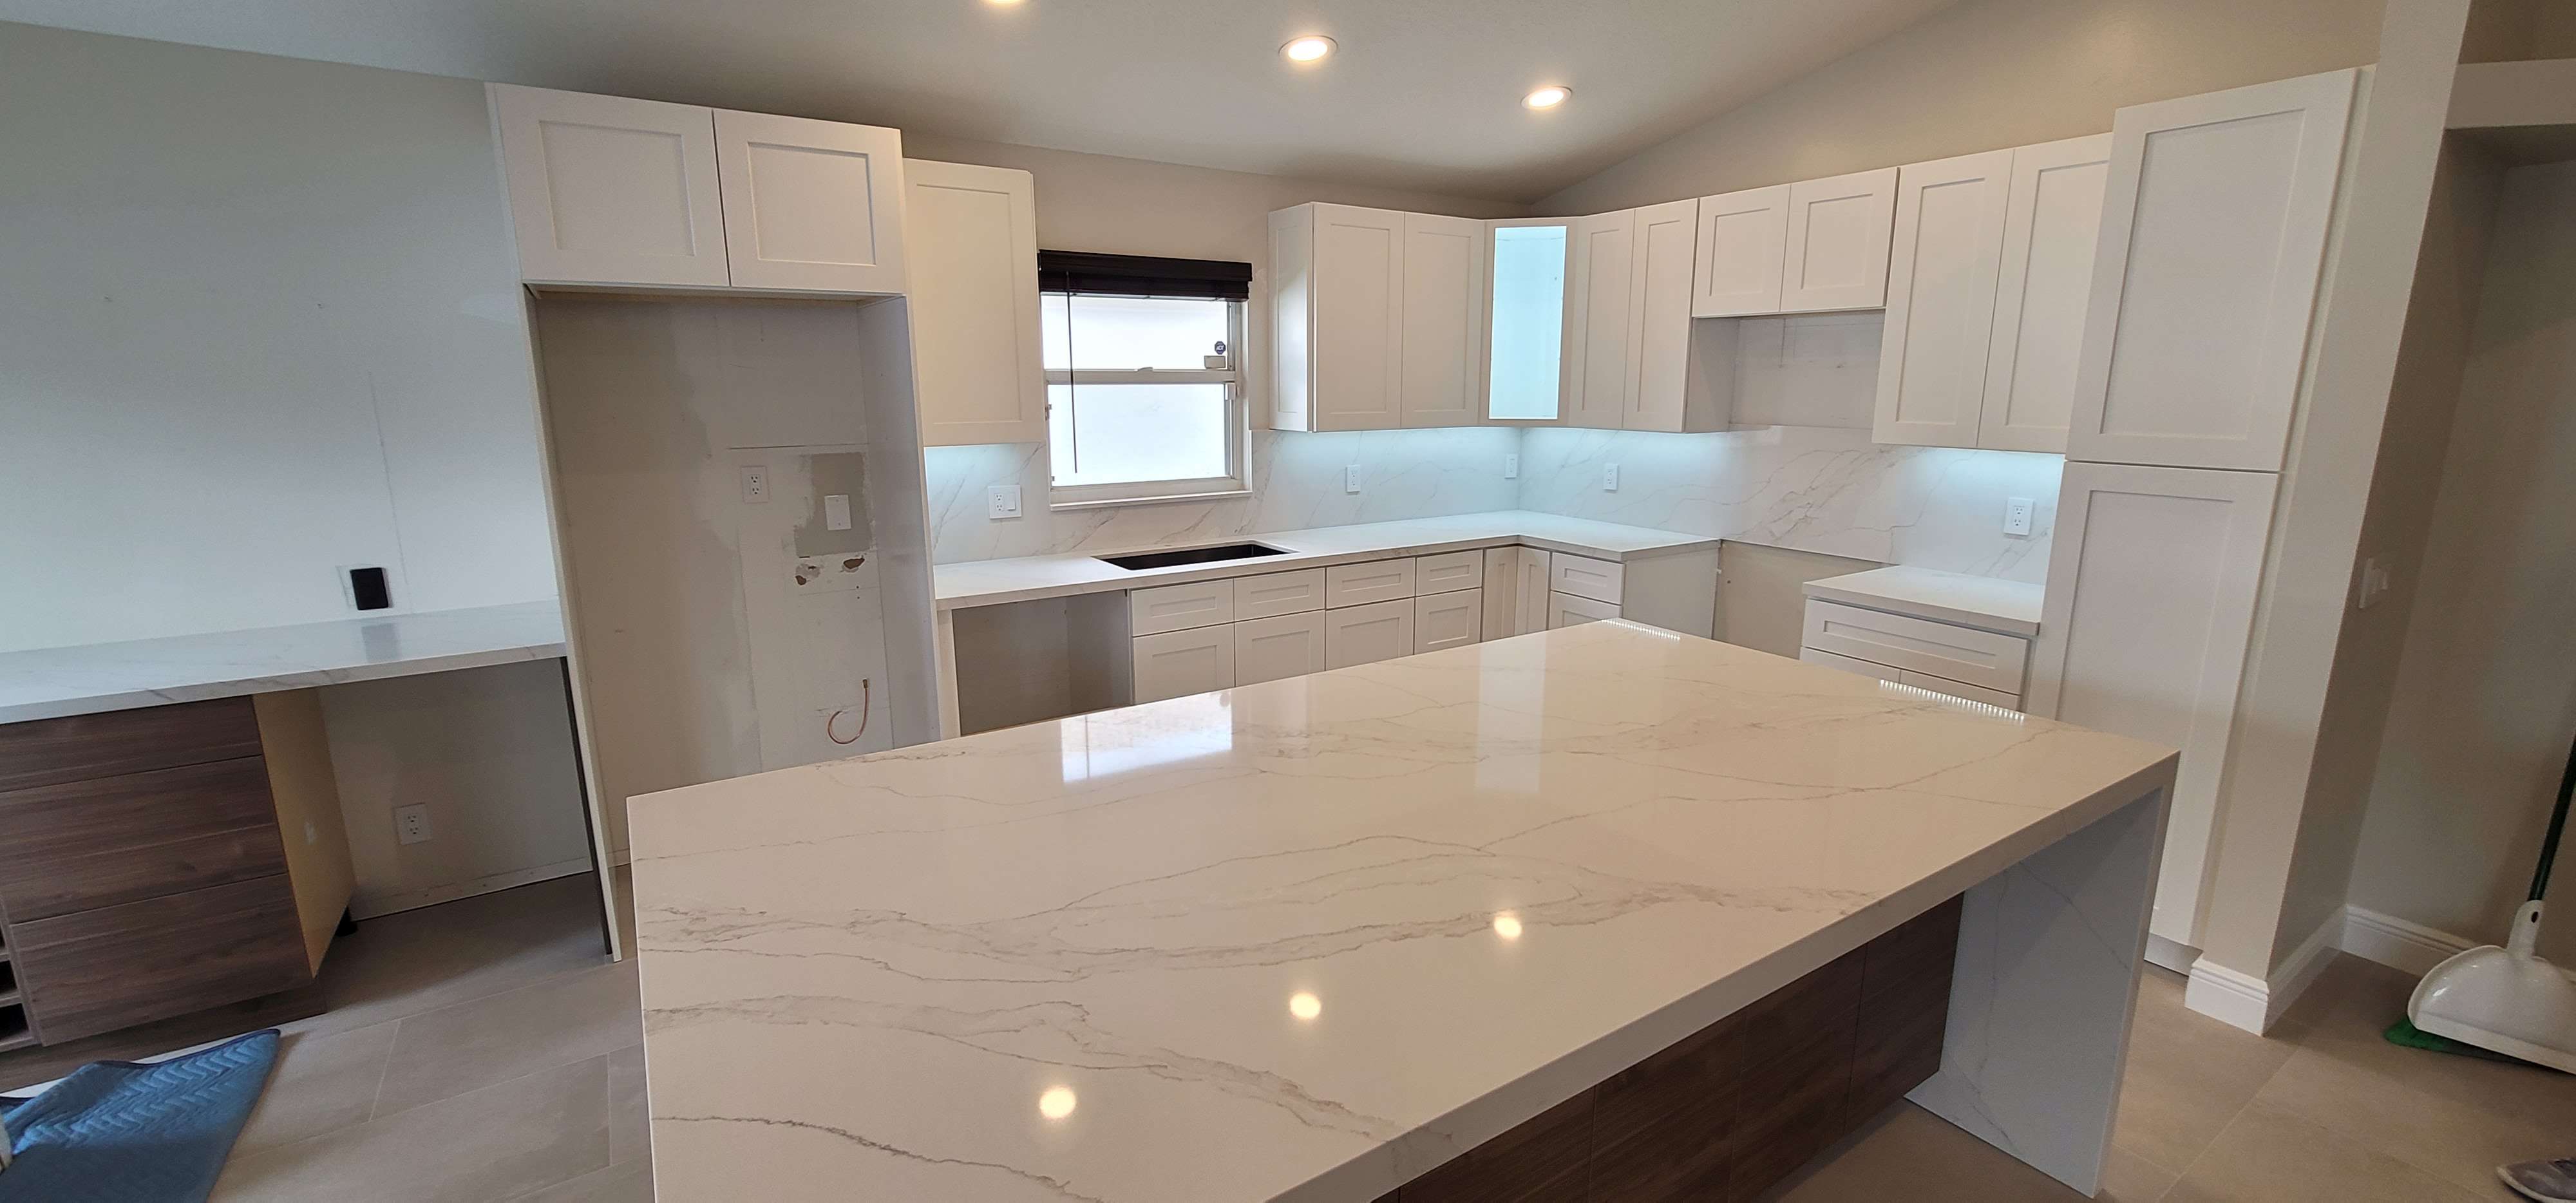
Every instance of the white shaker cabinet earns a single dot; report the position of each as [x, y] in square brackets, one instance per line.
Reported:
[1442, 342]
[810, 206]
[1272, 649]
[1178, 663]
[1599, 263]
[2052, 221]
[1675, 385]
[2213, 241]
[971, 239]
[1838, 235]
[1446, 620]
[607, 190]
[1337, 317]
[1941, 271]
[1743, 240]
[1515, 592]
[1367, 634]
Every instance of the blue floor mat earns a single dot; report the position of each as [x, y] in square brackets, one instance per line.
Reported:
[120, 1132]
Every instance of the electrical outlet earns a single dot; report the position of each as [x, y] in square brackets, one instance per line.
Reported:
[836, 511]
[1609, 478]
[2374, 582]
[1511, 467]
[1002, 501]
[2017, 515]
[1350, 478]
[411, 824]
[755, 484]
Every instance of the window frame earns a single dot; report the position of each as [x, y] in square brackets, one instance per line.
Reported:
[1238, 424]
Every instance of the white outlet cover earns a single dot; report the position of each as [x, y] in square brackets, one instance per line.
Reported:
[836, 511]
[755, 484]
[1511, 467]
[2017, 512]
[1002, 501]
[411, 824]
[1609, 478]
[1350, 478]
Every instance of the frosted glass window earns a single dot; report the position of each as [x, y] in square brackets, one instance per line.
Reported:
[1142, 396]
[1112, 334]
[1108, 434]
[1528, 333]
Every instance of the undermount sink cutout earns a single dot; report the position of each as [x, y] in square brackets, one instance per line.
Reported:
[1142, 560]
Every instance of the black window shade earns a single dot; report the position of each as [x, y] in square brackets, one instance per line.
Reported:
[1143, 276]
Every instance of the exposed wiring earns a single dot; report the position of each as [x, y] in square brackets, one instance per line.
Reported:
[866, 703]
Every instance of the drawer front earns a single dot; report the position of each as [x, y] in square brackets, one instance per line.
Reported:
[1367, 634]
[1369, 583]
[1567, 610]
[87, 844]
[1898, 641]
[1179, 607]
[1448, 573]
[1448, 620]
[1809, 655]
[1180, 663]
[54, 750]
[1960, 689]
[1583, 577]
[1278, 593]
[117, 966]
[1269, 649]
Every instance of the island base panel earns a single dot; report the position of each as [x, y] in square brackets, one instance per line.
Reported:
[1735, 1107]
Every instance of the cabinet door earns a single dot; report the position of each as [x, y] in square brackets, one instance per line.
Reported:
[1567, 610]
[2150, 608]
[1528, 294]
[1268, 649]
[972, 239]
[1366, 634]
[1598, 270]
[1941, 299]
[2214, 222]
[1742, 246]
[1443, 341]
[1838, 235]
[1659, 300]
[1445, 620]
[1502, 592]
[1180, 663]
[1531, 607]
[811, 206]
[1850, 664]
[2051, 220]
[1358, 310]
[606, 190]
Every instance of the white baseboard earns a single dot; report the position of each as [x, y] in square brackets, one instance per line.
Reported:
[2399, 943]
[372, 905]
[2255, 1004]
[2170, 954]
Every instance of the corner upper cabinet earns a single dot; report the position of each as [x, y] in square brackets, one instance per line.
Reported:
[1442, 342]
[607, 190]
[1838, 236]
[1526, 298]
[1742, 244]
[1337, 312]
[971, 248]
[810, 206]
[1948, 245]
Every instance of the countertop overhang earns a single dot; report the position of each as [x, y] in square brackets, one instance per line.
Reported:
[1299, 940]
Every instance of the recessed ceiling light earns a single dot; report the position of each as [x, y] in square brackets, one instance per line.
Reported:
[1547, 98]
[1003, 3]
[1307, 49]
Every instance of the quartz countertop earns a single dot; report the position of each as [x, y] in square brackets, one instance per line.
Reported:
[1027, 578]
[1984, 602]
[1299, 940]
[87, 679]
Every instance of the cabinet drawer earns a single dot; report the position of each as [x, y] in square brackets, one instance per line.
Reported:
[1567, 610]
[53, 750]
[1448, 573]
[1179, 607]
[1367, 634]
[1809, 655]
[1363, 584]
[1960, 689]
[1952, 653]
[1269, 649]
[87, 844]
[1448, 620]
[1583, 577]
[117, 966]
[1278, 593]
[1180, 663]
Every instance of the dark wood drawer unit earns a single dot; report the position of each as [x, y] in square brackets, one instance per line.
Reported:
[81, 845]
[100, 970]
[1729, 1111]
[54, 750]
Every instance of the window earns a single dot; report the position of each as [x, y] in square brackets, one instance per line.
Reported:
[1144, 391]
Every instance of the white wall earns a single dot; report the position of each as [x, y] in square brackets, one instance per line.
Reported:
[260, 321]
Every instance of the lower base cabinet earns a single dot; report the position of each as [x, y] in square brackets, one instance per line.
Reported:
[1368, 634]
[1446, 620]
[1567, 610]
[1269, 649]
[1179, 663]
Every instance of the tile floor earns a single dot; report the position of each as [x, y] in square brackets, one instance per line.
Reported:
[483, 1052]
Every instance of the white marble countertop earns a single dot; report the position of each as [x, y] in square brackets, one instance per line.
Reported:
[56, 681]
[1299, 940]
[1027, 578]
[1984, 602]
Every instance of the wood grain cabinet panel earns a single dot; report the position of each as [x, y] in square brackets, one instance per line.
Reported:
[1546, 1160]
[87, 844]
[104, 969]
[55, 750]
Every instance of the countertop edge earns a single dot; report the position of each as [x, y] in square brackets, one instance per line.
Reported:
[1956, 615]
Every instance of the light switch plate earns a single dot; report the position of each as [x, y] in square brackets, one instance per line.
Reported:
[836, 511]
[1350, 478]
[2374, 582]
[1511, 467]
[2017, 515]
[1609, 478]
[755, 484]
[1002, 501]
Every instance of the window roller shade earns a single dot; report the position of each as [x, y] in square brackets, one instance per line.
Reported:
[1142, 276]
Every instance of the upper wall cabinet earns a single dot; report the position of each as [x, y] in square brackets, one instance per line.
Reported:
[971, 244]
[2052, 222]
[1338, 287]
[1599, 267]
[1680, 372]
[2213, 242]
[1526, 296]
[608, 191]
[1837, 242]
[1443, 311]
[1743, 241]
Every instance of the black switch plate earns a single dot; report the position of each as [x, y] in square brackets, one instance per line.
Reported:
[367, 589]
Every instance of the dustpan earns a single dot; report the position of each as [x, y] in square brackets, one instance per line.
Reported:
[2509, 1000]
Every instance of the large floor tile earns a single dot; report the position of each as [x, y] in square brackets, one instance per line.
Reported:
[454, 1049]
[2188, 1075]
[2268, 1156]
[616, 1184]
[417, 960]
[1935, 1162]
[495, 1143]
[323, 1082]
[630, 1122]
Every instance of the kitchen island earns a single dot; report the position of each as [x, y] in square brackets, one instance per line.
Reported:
[1330, 937]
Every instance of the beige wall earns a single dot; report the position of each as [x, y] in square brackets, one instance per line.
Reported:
[1987, 74]
[2486, 696]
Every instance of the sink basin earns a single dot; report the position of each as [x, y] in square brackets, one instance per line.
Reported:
[1190, 555]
